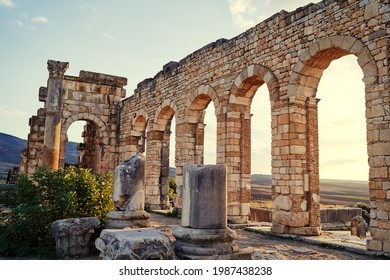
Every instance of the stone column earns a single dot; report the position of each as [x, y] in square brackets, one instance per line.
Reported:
[312, 179]
[378, 147]
[153, 169]
[52, 141]
[204, 233]
[295, 163]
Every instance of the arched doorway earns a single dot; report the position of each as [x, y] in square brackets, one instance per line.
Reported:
[300, 214]
[238, 131]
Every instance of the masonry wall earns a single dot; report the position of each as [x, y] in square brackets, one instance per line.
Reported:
[288, 52]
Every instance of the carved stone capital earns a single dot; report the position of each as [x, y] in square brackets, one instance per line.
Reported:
[57, 68]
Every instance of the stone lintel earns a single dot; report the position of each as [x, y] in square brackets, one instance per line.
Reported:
[102, 79]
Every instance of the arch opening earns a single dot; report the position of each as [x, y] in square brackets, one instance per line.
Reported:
[342, 134]
[303, 191]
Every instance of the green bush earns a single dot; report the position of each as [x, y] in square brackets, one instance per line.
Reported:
[172, 188]
[46, 197]
[364, 206]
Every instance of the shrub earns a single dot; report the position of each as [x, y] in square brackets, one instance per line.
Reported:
[44, 198]
[172, 188]
[364, 206]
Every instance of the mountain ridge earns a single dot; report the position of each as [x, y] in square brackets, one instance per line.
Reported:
[11, 148]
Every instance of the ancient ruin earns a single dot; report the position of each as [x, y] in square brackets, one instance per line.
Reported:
[129, 195]
[134, 244]
[287, 52]
[73, 236]
[204, 233]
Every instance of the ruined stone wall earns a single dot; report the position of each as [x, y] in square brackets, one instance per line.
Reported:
[94, 98]
[91, 97]
[288, 52]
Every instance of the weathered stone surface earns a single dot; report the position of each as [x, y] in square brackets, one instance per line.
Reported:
[128, 192]
[202, 243]
[123, 219]
[204, 197]
[204, 233]
[291, 219]
[359, 227]
[72, 236]
[134, 244]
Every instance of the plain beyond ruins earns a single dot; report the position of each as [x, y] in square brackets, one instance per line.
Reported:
[289, 53]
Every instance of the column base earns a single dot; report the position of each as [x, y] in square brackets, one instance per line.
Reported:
[191, 244]
[122, 219]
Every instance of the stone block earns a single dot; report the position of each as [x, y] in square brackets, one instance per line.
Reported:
[359, 227]
[72, 236]
[277, 228]
[307, 231]
[297, 219]
[374, 245]
[134, 244]
[282, 202]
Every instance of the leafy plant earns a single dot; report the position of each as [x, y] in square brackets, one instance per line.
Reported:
[172, 188]
[364, 206]
[46, 197]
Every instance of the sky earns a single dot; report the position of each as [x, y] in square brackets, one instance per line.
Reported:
[134, 39]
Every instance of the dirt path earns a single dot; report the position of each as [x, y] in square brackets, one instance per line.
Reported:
[272, 248]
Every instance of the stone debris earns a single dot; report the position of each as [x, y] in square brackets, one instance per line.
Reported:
[134, 244]
[73, 236]
[359, 227]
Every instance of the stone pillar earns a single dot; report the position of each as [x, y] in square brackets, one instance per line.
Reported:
[238, 162]
[204, 233]
[312, 176]
[199, 143]
[164, 171]
[295, 162]
[185, 153]
[157, 170]
[52, 141]
[378, 146]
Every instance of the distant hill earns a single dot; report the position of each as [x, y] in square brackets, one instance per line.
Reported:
[11, 147]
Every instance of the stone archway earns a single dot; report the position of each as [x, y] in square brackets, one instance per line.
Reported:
[93, 150]
[238, 131]
[190, 131]
[159, 139]
[297, 211]
[139, 131]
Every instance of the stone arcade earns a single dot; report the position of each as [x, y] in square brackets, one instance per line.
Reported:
[288, 52]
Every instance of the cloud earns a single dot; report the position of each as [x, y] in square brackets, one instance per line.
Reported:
[109, 36]
[7, 3]
[18, 23]
[242, 12]
[40, 20]
[9, 113]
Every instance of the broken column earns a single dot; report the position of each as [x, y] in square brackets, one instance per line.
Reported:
[204, 233]
[359, 227]
[73, 236]
[52, 140]
[129, 195]
[134, 244]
